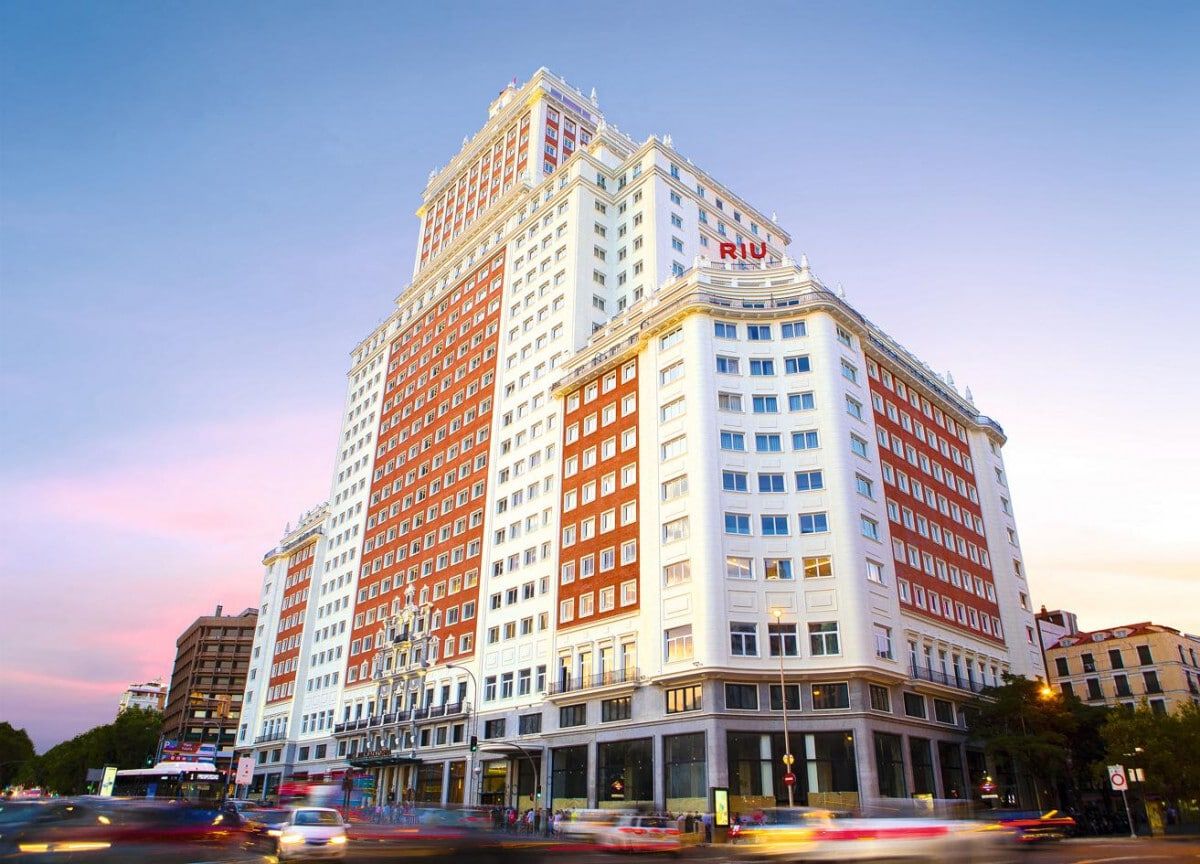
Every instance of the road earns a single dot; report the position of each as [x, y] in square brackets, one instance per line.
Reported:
[1080, 851]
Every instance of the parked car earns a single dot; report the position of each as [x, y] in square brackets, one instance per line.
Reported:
[635, 833]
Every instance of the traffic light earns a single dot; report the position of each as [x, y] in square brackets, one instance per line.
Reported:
[474, 743]
[150, 761]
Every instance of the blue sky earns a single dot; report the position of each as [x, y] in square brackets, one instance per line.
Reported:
[205, 206]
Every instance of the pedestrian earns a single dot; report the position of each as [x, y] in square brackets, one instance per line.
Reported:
[537, 821]
[708, 826]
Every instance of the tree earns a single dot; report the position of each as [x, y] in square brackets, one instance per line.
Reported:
[1047, 737]
[16, 750]
[1165, 746]
[126, 743]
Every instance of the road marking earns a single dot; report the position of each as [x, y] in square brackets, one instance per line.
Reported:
[1127, 858]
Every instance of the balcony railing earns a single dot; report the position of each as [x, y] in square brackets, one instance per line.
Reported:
[270, 736]
[924, 673]
[591, 682]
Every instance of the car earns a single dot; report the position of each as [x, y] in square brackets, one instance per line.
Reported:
[814, 834]
[637, 833]
[1034, 826]
[310, 832]
[587, 824]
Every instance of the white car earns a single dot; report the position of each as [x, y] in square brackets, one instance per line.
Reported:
[641, 834]
[310, 832]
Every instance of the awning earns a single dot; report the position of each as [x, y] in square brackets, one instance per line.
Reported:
[510, 750]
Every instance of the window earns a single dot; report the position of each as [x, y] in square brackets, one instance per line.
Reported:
[801, 402]
[674, 448]
[792, 692]
[1114, 658]
[494, 728]
[771, 483]
[881, 698]
[813, 523]
[767, 442]
[758, 332]
[1144, 658]
[676, 529]
[854, 408]
[807, 440]
[739, 568]
[775, 526]
[797, 364]
[741, 697]
[679, 643]
[529, 724]
[874, 572]
[729, 402]
[849, 372]
[777, 568]
[782, 637]
[678, 573]
[673, 410]
[823, 639]
[681, 699]
[883, 642]
[737, 523]
[943, 711]
[793, 329]
[734, 481]
[1150, 680]
[914, 705]
[572, 715]
[762, 368]
[765, 404]
[1061, 667]
[725, 330]
[818, 566]
[828, 696]
[858, 446]
[870, 528]
[807, 481]
[743, 639]
[674, 488]
[616, 709]
[728, 365]
[735, 441]
[864, 486]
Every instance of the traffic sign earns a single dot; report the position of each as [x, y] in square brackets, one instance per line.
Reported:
[789, 779]
[788, 758]
[1117, 778]
[245, 770]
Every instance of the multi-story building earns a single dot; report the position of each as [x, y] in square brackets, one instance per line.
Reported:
[1124, 665]
[149, 696]
[620, 482]
[208, 680]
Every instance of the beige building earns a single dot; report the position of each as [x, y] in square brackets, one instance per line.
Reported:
[1123, 665]
[151, 696]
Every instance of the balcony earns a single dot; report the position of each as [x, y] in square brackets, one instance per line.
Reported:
[593, 682]
[271, 736]
[924, 673]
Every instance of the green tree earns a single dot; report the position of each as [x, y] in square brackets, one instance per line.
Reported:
[16, 751]
[126, 743]
[1049, 739]
[1165, 746]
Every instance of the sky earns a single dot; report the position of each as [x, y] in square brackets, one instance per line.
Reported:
[204, 206]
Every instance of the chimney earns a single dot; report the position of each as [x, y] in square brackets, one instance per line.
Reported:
[219, 608]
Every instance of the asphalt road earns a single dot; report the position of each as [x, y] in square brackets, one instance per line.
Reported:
[1081, 851]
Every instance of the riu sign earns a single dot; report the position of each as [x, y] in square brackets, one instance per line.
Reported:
[743, 251]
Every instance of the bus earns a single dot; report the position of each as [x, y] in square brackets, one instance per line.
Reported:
[194, 782]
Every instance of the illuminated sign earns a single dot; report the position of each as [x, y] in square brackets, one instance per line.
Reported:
[107, 781]
[720, 797]
[743, 251]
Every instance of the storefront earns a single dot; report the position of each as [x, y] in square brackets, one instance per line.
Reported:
[825, 768]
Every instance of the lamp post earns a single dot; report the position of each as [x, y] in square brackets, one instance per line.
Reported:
[788, 759]
[473, 726]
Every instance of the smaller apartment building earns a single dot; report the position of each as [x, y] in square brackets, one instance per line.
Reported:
[1124, 665]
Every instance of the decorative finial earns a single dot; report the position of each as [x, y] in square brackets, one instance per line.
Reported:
[841, 292]
[969, 396]
[593, 98]
[804, 263]
[667, 140]
[950, 379]
[774, 217]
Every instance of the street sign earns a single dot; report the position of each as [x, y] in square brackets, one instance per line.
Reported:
[245, 771]
[788, 759]
[789, 779]
[1117, 778]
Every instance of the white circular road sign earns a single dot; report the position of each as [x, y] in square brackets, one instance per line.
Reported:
[1117, 778]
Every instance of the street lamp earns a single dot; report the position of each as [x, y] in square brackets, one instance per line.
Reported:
[474, 724]
[788, 759]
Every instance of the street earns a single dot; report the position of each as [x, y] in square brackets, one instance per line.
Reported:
[1109, 850]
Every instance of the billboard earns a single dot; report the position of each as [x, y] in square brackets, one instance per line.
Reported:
[188, 751]
[107, 780]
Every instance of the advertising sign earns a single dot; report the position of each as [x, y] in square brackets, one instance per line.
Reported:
[245, 771]
[720, 797]
[107, 781]
[188, 751]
